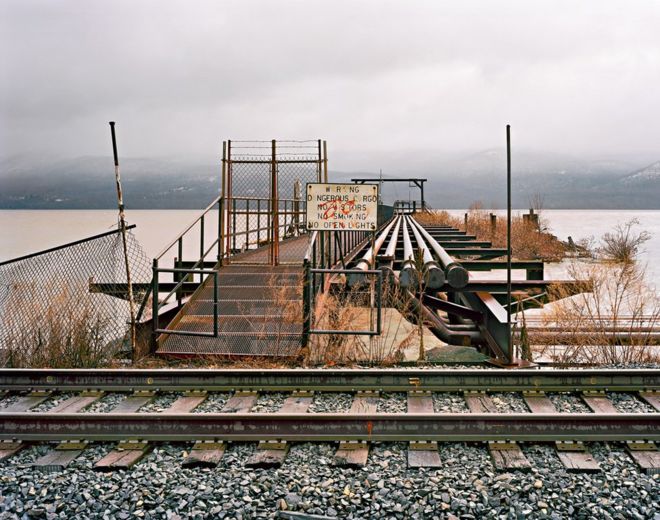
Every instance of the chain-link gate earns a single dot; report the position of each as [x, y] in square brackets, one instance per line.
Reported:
[263, 187]
[67, 306]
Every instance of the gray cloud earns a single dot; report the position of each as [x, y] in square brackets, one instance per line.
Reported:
[374, 77]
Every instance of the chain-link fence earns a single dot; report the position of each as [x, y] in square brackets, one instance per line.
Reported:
[68, 306]
[265, 201]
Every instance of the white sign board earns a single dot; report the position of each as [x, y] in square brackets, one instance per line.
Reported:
[342, 207]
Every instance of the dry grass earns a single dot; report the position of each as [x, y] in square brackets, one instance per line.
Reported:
[66, 329]
[528, 241]
[612, 321]
[354, 309]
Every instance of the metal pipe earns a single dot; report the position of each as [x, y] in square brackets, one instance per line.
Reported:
[457, 276]
[434, 277]
[408, 277]
[391, 246]
[366, 262]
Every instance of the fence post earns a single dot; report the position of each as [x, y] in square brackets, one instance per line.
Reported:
[228, 197]
[307, 304]
[220, 232]
[201, 246]
[154, 304]
[221, 206]
[215, 303]
[275, 206]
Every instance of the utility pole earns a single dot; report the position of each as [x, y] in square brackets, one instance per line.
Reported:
[122, 228]
[508, 241]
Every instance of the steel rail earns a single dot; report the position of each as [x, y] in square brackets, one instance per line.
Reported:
[331, 380]
[30, 426]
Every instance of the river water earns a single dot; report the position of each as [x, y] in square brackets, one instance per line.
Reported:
[26, 231]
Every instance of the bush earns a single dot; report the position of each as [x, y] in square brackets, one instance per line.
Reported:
[624, 243]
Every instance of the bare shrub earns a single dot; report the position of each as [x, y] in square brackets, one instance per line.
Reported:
[613, 320]
[438, 218]
[339, 310]
[65, 330]
[624, 243]
[398, 312]
[354, 309]
[284, 314]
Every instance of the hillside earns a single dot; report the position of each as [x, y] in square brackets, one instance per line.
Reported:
[454, 182]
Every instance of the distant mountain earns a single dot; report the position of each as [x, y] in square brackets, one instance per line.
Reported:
[89, 182]
[650, 173]
[454, 182]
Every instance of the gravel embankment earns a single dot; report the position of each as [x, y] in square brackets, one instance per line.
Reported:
[446, 402]
[269, 403]
[569, 403]
[467, 487]
[106, 403]
[213, 403]
[629, 403]
[509, 403]
[52, 402]
[160, 403]
[392, 403]
[331, 402]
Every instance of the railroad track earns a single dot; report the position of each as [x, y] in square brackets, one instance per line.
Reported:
[75, 391]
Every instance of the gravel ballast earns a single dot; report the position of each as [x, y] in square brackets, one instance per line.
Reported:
[467, 486]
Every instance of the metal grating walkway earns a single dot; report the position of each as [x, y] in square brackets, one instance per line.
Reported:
[259, 309]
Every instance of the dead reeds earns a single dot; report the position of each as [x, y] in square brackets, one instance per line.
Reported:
[59, 326]
[529, 240]
[614, 319]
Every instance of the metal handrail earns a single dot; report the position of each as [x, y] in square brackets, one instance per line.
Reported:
[310, 247]
[157, 305]
[181, 235]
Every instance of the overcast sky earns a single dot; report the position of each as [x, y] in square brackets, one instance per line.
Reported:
[576, 77]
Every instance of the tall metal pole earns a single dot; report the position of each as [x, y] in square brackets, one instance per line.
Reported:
[508, 241]
[229, 203]
[122, 227]
[275, 206]
[223, 205]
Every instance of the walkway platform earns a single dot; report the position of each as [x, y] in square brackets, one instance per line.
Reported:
[259, 308]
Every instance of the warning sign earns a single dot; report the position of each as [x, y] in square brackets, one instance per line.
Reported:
[342, 207]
